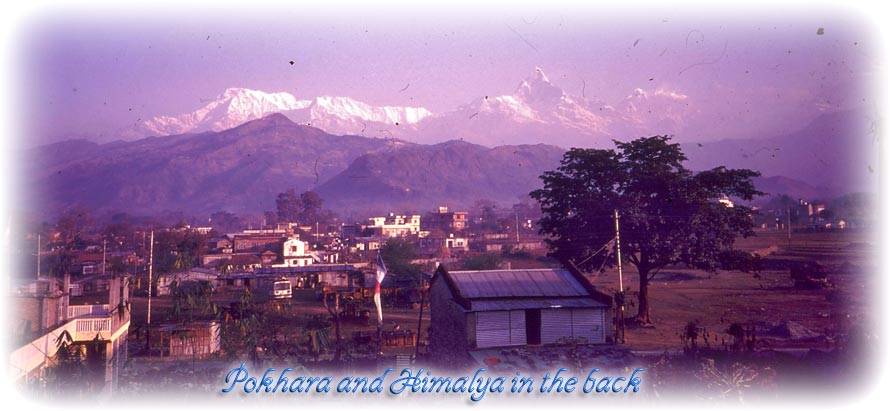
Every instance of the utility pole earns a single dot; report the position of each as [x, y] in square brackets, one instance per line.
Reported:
[419, 319]
[788, 217]
[151, 252]
[38, 255]
[620, 279]
[517, 228]
[103, 256]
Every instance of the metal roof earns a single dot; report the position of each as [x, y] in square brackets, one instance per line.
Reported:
[532, 303]
[517, 284]
[312, 268]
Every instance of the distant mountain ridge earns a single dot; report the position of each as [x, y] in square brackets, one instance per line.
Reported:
[837, 152]
[454, 173]
[242, 169]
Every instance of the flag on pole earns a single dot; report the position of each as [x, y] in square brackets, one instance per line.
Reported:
[381, 274]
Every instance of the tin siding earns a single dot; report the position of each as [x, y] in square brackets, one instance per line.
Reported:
[555, 325]
[492, 329]
[500, 328]
[588, 324]
[517, 327]
[579, 323]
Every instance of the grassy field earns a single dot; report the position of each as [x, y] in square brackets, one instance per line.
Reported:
[716, 300]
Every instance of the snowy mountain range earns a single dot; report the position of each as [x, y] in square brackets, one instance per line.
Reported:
[540, 111]
[236, 106]
[536, 111]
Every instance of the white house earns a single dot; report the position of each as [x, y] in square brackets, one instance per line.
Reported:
[294, 254]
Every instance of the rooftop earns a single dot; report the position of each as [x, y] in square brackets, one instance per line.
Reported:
[522, 289]
[517, 283]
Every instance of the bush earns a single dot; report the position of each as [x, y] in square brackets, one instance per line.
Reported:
[809, 276]
[691, 334]
[739, 260]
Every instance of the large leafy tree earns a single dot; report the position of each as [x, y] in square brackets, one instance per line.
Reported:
[289, 206]
[225, 222]
[177, 250]
[305, 208]
[397, 254]
[73, 225]
[669, 215]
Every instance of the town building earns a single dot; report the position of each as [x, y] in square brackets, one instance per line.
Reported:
[260, 250]
[294, 254]
[256, 243]
[219, 245]
[96, 325]
[446, 221]
[472, 310]
[340, 276]
[395, 225]
[167, 282]
[366, 244]
[191, 340]
[435, 243]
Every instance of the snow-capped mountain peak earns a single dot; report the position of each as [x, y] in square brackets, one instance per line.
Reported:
[345, 108]
[537, 90]
[245, 100]
[539, 110]
[235, 106]
[242, 105]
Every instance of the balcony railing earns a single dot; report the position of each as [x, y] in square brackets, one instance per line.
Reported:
[87, 328]
[75, 311]
[35, 354]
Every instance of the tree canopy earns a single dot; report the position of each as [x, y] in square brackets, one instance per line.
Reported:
[305, 208]
[397, 254]
[668, 214]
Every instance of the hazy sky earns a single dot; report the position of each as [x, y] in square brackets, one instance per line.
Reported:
[747, 72]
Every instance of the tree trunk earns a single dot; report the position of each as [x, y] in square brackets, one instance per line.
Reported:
[339, 348]
[335, 313]
[643, 313]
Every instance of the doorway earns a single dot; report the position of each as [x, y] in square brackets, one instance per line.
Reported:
[533, 326]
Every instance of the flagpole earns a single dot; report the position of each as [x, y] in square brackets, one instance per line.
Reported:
[381, 274]
[379, 339]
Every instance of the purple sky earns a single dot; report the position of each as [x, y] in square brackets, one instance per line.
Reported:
[750, 74]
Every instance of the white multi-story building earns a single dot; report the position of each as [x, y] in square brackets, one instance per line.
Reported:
[395, 225]
[294, 254]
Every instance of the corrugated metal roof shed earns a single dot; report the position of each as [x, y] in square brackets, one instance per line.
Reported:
[517, 284]
[524, 304]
